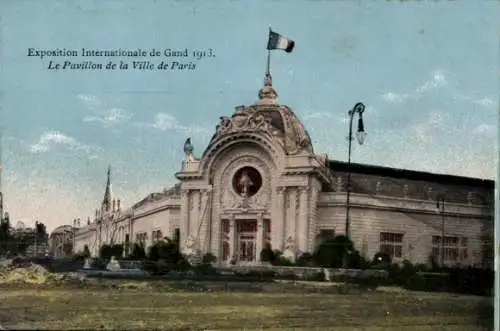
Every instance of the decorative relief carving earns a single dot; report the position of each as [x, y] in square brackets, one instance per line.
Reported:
[190, 242]
[288, 198]
[289, 251]
[229, 197]
[245, 119]
[191, 201]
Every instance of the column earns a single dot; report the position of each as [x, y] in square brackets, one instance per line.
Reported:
[215, 237]
[303, 220]
[291, 215]
[184, 218]
[232, 239]
[195, 221]
[277, 222]
[260, 237]
[204, 217]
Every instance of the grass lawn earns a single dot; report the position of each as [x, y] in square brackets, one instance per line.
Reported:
[210, 306]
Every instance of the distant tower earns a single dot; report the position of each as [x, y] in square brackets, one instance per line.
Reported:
[106, 202]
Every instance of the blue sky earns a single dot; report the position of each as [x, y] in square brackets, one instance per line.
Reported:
[427, 71]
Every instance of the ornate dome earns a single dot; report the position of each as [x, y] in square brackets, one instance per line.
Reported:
[269, 117]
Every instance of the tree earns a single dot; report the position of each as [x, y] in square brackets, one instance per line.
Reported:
[5, 234]
[41, 230]
[332, 252]
[117, 250]
[86, 251]
[138, 252]
[105, 252]
[166, 250]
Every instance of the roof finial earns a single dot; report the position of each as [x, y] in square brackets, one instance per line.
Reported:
[106, 202]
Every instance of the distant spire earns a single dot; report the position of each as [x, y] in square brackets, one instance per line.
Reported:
[106, 202]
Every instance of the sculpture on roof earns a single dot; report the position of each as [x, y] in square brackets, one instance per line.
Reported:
[188, 150]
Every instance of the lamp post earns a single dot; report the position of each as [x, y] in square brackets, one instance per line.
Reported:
[440, 207]
[358, 108]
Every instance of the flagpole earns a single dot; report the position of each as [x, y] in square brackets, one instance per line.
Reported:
[268, 67]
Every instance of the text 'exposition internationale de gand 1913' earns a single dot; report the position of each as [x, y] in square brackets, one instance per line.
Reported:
[122, 59]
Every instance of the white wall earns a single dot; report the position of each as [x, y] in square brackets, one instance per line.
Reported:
[417, 220]
[155, 216]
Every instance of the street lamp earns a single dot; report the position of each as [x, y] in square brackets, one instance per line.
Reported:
[440, 207]
[359, 108]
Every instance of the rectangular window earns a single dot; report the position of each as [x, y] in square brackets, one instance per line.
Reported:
[141, 237]
[391, 244]
[156, 236]
[455, 249]
[487, 254]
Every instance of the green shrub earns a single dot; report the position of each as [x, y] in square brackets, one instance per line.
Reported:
[416, 283]
[262, 275]
[105, 252]
[138, 252]
[381, 258]
[356, 261]
[331, 253]
[420, 267]
[166, 250]
[317, 277]
[205, 269]
[305, 260]
[208, 258]
[267, 255]
[279, 260]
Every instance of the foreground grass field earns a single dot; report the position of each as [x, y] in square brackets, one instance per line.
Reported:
[205, 306]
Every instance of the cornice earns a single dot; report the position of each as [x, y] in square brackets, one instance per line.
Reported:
[154, 210]
[402, 205]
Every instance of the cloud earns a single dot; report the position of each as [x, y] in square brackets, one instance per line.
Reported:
[435, 82]
[90, 100]
[51, 139]
[482, 102]
[329, 116]
[485, 129]
[426, 131]
[167, 122]
[112, 117]
[107, 116]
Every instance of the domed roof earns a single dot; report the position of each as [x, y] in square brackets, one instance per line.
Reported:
[62, 229]
[269, 117]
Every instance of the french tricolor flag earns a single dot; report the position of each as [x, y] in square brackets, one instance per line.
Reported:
[277, 41]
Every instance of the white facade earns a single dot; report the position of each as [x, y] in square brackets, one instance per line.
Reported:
[259, 184]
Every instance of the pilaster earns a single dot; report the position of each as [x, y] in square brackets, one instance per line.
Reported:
[260, 236]
[232, 239]
[205, 211]
[302, 223]
[313, 207]
[278, 220]
[215, 237]
[184, 218]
